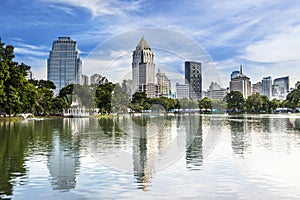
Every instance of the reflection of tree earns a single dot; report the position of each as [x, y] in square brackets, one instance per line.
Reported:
[17, 142]
[109, 126]
[194, 154]
[13, 144]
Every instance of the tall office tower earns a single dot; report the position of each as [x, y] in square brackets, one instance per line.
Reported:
[284, 85]
[241, 83]
[64, 64]
[164, 84]
[193, 77]
[143, 69]
[257, 88]
[267, 86]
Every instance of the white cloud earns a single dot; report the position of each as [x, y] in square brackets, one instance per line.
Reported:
[102, 7]
[279, 47]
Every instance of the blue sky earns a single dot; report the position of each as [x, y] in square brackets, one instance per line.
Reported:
[263, 35]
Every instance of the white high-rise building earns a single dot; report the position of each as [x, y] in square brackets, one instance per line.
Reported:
[143, 70]
[64, 64]
[267, 86]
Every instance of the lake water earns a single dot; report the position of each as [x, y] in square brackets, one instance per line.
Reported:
[152, 157]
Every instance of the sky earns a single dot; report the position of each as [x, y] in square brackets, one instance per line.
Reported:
[262, 35]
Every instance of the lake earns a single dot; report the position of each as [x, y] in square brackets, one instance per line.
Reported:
[152, 157]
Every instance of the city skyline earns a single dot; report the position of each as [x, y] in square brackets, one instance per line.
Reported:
[239, 34]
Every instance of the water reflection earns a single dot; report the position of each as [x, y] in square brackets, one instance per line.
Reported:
[63, 159]
[12, 150]
[194, 153]
[239, 134]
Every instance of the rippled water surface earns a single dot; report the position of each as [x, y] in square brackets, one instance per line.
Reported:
[147, 157]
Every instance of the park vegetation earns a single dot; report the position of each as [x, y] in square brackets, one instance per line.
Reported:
[19, 95]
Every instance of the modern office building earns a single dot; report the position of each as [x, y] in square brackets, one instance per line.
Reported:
[64, 64]
[164, 84]
[215, 91]
[182, 91]
[241, 83]
[284, 86]
[257, 88]
[193, 77]
[143, 69]
[267, 87]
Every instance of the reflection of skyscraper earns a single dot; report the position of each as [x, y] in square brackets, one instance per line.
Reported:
[194, 155]
[63, 160]
[239, 142]
[143, 155]
[143, 69]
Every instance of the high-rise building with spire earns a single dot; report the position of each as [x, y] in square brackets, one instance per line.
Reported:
[143, 69]
[241, 83]
[64, 64]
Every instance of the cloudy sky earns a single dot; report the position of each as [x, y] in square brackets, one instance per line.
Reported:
[263, 35]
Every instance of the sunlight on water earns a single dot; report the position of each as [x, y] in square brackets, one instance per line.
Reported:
[182, 156]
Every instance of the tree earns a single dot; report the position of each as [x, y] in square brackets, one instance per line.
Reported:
[293, 99]
[205, 103]
[119, 101]
[235, 101]
[103, 97]
[139, 102]
[254, 103]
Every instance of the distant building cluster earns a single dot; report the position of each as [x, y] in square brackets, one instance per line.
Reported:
[64, 67]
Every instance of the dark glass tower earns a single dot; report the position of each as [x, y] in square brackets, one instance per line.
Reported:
[193, 77]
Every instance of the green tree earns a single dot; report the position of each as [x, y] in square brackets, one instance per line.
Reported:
[140, 102]
[293, 99]
[120, 102]
[254, 103]
[205, 103]
[265, 103]
[235, 101]
[103, 97]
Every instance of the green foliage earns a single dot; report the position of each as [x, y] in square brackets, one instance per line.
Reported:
[293, 99]
[119, 101]
[235, 101]
[139, 102]
[205, 103]
[254, 103]
[103, 97]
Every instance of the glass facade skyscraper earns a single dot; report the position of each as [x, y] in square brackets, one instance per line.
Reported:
[64, 65]
[193, 77]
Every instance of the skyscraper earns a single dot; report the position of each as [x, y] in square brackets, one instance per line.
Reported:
[241, 83]
[284, 85]
[143, 69]
[164, 84]
[64, 64]
[267, 86]
[193, 77]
